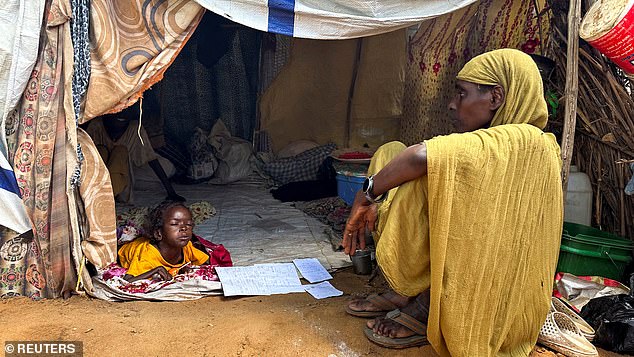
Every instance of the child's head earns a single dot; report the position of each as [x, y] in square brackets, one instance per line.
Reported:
[171, 223]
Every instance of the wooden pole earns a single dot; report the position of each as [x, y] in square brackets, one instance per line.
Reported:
[620, 168]
[571, 90]
[353, 82]
[597, 202]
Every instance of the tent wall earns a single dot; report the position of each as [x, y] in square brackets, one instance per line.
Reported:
[276, 51]
[214, 77]
[309, 98]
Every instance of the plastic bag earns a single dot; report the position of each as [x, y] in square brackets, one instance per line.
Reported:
[613, 319]
[233, 154]
[579, 290]
[204, 162]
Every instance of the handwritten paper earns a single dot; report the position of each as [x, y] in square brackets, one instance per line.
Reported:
[312, 270]
[259, 279]
[322, 290]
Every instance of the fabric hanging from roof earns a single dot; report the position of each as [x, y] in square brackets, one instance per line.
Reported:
[214, 77]
[133, 43]
[41, 131]
[20, 24]
[40, 144]
[331, 19]
[80, 23]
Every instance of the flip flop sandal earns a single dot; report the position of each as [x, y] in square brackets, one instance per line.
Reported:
[378, 301]
[419, 339]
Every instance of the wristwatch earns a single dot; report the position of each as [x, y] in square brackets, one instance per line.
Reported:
[368, 185]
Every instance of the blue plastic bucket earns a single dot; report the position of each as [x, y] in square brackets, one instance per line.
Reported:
[347, 187]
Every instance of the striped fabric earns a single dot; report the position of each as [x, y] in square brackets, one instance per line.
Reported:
[332, 19]
[13, 214]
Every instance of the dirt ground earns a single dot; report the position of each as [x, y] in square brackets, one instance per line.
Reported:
[282, 325]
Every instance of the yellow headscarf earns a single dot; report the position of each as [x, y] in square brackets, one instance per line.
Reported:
[517, 73]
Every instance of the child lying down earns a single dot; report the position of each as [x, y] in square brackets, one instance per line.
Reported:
[170, 263]
[169, 249]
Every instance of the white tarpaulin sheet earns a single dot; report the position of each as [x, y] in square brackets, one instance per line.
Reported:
[13, 214]
[331, 19]
[20, 24]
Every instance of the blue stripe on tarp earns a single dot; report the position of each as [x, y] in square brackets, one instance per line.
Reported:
[7, 181]
[282, 16]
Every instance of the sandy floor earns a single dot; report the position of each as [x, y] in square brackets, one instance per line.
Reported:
[283, 325]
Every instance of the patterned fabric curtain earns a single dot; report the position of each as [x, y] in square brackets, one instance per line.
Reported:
[37, 140]
[42, 134]
[134, 42]
[443, 45]
[214, 77]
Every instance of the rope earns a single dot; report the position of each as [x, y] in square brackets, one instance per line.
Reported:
[138, 129]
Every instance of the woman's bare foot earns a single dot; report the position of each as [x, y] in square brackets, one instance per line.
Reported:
[365, 305]
[418, 308]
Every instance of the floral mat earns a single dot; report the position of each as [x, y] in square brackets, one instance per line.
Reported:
[198, 282]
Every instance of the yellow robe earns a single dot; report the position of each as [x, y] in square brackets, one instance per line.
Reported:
[139, 256]
[482, 229]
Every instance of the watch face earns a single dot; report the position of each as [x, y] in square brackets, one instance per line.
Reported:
[366, 184]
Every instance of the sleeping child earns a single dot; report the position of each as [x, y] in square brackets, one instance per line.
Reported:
[169, 249]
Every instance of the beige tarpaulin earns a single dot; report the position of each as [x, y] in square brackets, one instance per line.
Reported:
[309, 98]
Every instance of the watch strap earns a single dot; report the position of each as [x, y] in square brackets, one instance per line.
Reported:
[368, 185]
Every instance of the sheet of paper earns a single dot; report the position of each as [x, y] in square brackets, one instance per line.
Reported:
[285, 275]
[312, 270]
[322, 290]
[259, 279]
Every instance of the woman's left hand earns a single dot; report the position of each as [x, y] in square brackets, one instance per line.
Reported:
[362, 215]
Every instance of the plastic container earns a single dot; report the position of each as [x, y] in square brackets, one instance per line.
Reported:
[578, 205]
[347, 187]
[608, 26]
[588, 251]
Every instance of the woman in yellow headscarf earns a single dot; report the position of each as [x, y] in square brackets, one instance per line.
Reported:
[472, 221]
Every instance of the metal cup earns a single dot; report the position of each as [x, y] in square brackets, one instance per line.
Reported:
[362, 262]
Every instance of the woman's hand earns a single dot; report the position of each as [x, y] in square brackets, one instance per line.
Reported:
[363, 216]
